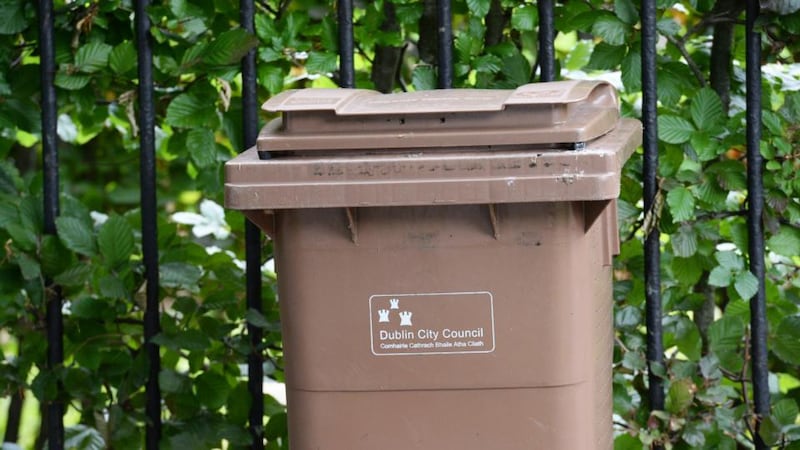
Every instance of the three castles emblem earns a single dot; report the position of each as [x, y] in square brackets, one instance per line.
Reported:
[394, 304]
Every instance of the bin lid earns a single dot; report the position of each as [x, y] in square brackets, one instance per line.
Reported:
[563, 112]
[458, 176]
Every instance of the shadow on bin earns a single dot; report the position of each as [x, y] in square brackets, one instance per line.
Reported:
[444, 262]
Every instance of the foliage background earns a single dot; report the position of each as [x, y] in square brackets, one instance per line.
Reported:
[96, 257]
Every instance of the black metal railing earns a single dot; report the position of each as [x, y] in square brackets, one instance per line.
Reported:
[652, 249]
[755, 210]
[547, 66]
[255, 359]
[54, 411]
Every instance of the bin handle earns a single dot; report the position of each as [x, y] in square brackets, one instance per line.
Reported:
[263, 218]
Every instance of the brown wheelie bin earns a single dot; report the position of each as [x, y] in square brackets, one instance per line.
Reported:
[444, 263]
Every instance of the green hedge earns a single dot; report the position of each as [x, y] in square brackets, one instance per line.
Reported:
[96, 256]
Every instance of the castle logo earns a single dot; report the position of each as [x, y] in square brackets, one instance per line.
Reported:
[432, 324]
[405, 318]
[383, 316]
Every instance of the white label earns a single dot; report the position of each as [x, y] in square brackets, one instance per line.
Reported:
[432, 324]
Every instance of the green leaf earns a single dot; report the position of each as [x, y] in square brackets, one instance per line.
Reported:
[668, 27]
[12, 16]
[92, 57]
[626, 11]
[22, 237]
[322, 62]
[265, 27]
[76, 235]
[770, 431]
[122, 58]
[783, 7]
[229, 47]
[202, 147]
[785, 242]
[9, 176]
[479, 7]
[256, 319]
[276, 427]
[172, 382]
[212, 390]
[423, 78]
[488, 64]
[684, 242]
[785, 411]
[71, 82]
[773, 122]
[709, 367]
[580, 22]
[579, 56]
[192, 340]
[786, 340]
[271, 77]
[90, 308]
[693, 435]
[726, 334]
[731, 175]
[239, 404]
[706, 109]
[673, 82]
[113, 287]
[674, 129]
[628, 317]
[269, 54]
[720, 277]
[606, 56]
[681, 204]
[115, 240]
[610, 29]
[524, 18]
[730, 260]
[710, 191]
[705, 147]
[516, 69]
[54, 257]
[687, 270]
[29, 267]
[627, 442]
[746, 284]
[188, 110]
[178, 274]
[74, 276]
[632, 70]
[81, 437]
[680, 395]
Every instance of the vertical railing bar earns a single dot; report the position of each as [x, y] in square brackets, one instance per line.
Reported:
[655, 346]
[755, 209]
[444, 56]
[252, 237]
[55, 320]
[149, 222]
[347, 71]
[14, 415]
[547, 36]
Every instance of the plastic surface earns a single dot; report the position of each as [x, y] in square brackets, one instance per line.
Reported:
[345, 119]
[432, 177]
[545, 384]
[451, 296]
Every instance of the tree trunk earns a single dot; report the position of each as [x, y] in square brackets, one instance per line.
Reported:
[721, 53]
[495, 24]
[387, 58]
[14, 417]
[428, 33]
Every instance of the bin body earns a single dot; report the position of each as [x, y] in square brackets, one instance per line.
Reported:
[447, 299]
